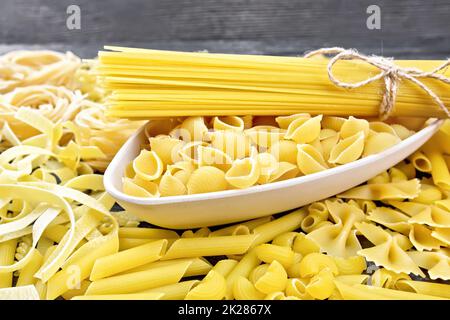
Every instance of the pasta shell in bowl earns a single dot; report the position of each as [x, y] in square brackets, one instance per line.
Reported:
[193, 194]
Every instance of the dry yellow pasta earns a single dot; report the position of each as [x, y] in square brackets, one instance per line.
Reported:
[273, 280]
[197, 267]
[128, 259]
[211, 246]
[198, 83]
[269, 253]
[60, 239]
[243, 289]
[242, 269]
[223, 156]
[139, 281]
[177, 291]
[212, 287]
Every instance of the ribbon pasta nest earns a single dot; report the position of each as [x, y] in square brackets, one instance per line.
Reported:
[61, 88]
[61, 235]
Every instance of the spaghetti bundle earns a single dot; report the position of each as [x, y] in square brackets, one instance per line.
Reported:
[154, 83]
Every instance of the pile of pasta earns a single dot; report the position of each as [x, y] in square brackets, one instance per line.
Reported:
[61, 88]
[199, 154]
[63, 237]
[59, 238]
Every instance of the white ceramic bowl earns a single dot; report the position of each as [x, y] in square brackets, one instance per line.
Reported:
[208, 209]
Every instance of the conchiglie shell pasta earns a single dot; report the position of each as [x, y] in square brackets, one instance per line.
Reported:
[284, 171]
[304, 130]
[148, 165]
[348, 149]
[379, 127]
[334, 123]
[258, 150]
[131, 188]
[206, 179]
[353, 126]
[129, 171]
[181, 170]
[285, 121]
[171, 186]
[401, 131]
[309, 160]
[166, 148]
[285, 151]
[150, 186]
[209, 156]
[265, 136]
[193, 129]
[268, 164]
[326, 133]
[157, 127]
[328, 139]
[235, 144]
[228, 123]
[378, 142]
[243, 173]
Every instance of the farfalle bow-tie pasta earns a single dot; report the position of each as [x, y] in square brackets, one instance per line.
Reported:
[200, 154]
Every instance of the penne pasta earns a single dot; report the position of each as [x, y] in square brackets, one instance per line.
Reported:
[80, 291]
[128, 259]
[139, 281]
[128, 243]
[197, 266]
[439, 169]
[271, 230]
[26, 276]
[210, 246]
[7, 252]
[241, 228]
[426, 288]
[242, 269]
[224, 267]
[176, 291]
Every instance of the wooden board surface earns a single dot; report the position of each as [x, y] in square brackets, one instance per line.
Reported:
[409, 29]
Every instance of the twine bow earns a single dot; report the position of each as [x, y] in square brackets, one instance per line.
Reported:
[389, 72]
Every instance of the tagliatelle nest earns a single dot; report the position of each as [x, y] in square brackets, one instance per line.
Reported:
[60, 99]
[25, 68]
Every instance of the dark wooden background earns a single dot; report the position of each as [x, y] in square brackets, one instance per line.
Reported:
[409, 29]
